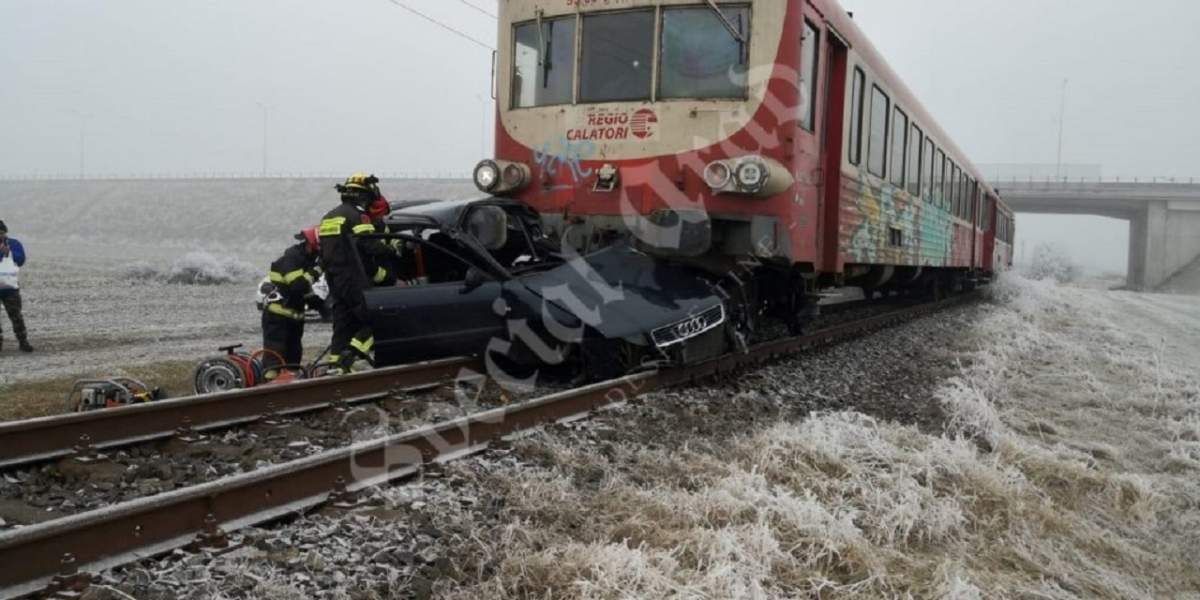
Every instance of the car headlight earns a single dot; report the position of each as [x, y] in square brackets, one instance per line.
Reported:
[751, 175]
[487, 176]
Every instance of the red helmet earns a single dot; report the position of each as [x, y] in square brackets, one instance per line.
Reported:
[379, 208]
[314, 242]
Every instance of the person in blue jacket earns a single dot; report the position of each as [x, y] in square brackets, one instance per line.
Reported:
[12, 258]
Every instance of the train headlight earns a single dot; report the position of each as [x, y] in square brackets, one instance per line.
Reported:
[752, 175]
[501, 176]
[718, 175]
[487, 176]
[515, 176]
[748, 175]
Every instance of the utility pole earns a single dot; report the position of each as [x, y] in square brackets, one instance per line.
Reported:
[1062, 115]
[264, 137]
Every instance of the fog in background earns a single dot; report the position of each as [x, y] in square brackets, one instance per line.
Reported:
[170, 87]
[181, 87]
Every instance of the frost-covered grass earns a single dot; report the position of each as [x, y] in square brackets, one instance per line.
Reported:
[1068, 470]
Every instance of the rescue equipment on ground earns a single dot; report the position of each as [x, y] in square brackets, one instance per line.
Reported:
[94, 394]
[239, 369]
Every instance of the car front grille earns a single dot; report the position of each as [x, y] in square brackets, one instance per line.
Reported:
[689, 328]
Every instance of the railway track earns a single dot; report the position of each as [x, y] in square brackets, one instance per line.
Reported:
[36, 440]
[59, 555]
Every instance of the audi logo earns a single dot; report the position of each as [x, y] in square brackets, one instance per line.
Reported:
[690, 327]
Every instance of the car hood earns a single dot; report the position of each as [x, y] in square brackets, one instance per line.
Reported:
[623, 293]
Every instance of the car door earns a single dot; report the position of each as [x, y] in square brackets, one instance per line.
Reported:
[435, 320]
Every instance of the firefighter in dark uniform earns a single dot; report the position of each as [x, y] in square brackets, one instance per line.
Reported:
[293, 275]
[380, 256]
[342, 250]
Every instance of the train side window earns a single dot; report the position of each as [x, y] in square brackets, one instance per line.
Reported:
[543, 66]
[899, 146]
[617, 55]
[700, 58]
[961, 191]
[856, 116]
[969, 194]
[927, 167]
[916, 161]
[939, 183]
[947, 199]
[877, 142]
[808, 76]
[974, 189]
[968, 199]
[936, 166]
[954, 203]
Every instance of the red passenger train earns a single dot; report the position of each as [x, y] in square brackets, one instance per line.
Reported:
[765, 140]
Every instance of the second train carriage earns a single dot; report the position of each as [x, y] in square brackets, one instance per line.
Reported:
[764, 137]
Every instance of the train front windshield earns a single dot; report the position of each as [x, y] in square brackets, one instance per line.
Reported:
[703, 54]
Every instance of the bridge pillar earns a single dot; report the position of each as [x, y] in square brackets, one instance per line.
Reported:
[1148, 241]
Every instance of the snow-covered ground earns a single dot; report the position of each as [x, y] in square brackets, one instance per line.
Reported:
[97, 289]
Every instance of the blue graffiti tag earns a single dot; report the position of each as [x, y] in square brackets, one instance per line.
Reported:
[568, 154]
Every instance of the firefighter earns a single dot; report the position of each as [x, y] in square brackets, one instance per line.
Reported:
[283, 314]
[346, 270]
[379, 256]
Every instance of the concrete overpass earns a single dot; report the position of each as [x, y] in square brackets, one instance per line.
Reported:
[1164, 218]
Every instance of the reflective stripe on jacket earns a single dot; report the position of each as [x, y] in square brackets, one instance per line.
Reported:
[276, 308]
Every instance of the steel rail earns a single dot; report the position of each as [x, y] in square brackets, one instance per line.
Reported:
[48, 554]
[35, 440]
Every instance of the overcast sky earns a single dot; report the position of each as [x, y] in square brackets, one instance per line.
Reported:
[179, 86]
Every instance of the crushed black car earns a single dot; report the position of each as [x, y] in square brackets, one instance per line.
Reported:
[483, 279]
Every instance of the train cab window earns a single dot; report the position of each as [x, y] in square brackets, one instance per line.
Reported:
[543, 66]
[899, 146]
[617, 56]
[856, 116]
[700, 57]
[808, 75]
[881, 107]
[916, 161]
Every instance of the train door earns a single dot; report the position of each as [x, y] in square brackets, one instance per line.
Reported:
[988, 225]
[827, 132]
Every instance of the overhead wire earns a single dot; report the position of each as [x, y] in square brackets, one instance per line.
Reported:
[449, 28]
[480, 9]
